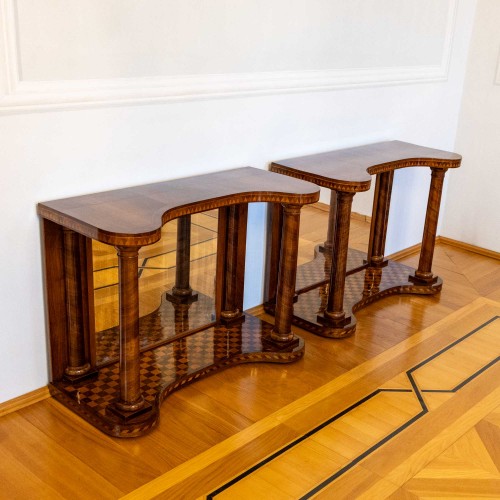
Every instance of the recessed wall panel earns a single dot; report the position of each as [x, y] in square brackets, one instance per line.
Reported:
[95, 39]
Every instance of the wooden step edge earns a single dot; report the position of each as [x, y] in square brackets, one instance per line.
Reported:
[25, 400]
[468, 247]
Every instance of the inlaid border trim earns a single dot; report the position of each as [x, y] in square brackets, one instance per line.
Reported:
[415, 389]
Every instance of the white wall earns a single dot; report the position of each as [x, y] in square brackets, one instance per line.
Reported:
[472, 211]
[63, 134]
[168, 37]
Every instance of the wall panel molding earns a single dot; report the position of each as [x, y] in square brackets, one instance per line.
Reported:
[26, 96]
[497, 77]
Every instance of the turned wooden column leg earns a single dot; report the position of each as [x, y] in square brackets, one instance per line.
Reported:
[424, 272]
[181, 317]
[328, 244]
[182, 287]
[74, 255]
[380, 218]
[53, 250]
[130, 398]
[275, 225]
[182, 291]
[234, 266]
[335, 306]
[282, 331]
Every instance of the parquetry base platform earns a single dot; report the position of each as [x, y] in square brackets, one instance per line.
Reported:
[169, 320]
[362, 287]
[167, 368]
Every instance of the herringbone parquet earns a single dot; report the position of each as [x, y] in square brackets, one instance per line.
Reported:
[469, 468]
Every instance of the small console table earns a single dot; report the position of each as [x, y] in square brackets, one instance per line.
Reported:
[340, 281]
[152, 356]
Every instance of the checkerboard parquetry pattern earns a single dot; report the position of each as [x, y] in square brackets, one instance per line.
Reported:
[163, 323]
[313, 272]
[168, 368]
[361, 289]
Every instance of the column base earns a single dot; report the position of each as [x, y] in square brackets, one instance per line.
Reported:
[128, 415]
[377, 263]
[230, 320]
[84, 375]
[181, 298]
[422, 280]
[363, 286]
[332, 321]
[270, 344]
[324, 249]
[163, 371]
[336, 328]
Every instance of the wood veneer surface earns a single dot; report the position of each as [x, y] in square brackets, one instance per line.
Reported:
[51, 453]
[135, 215]
[350, 169]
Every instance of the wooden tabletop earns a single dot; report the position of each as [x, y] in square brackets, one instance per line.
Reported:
[134, 216]
[350, 169]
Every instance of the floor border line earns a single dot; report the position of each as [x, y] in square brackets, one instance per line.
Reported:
[198, 463]
[391, 435]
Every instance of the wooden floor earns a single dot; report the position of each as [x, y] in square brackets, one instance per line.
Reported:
[334, 425]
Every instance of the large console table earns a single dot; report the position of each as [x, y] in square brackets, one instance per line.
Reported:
[340, 281]
[159, 353]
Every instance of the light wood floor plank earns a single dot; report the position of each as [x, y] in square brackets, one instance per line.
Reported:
[19, 482]
[358, 483]
[50, 462]
[319, 404]
[476, 489]
[104, 454]
[409, 452]
[466, 457]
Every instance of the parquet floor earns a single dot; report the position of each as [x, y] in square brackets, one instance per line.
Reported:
[411, 405]
[472, 462]
[356, 390]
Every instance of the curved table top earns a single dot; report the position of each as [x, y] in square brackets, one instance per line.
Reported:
[134, 216]
[350, 169]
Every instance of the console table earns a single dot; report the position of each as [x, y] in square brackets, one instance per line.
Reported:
[340, 281]
[151, 356]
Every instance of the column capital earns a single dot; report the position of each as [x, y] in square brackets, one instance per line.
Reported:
[291, 209]
[345, 194]
[125, 251]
